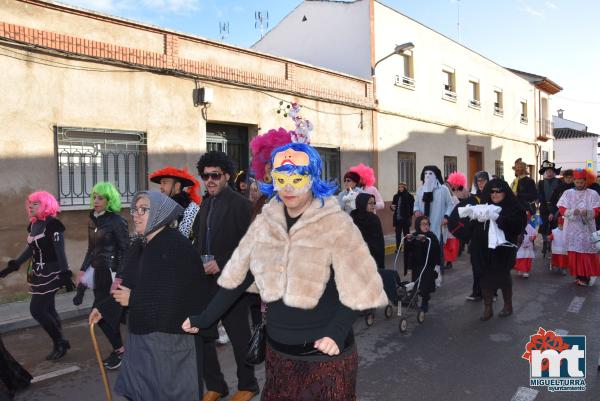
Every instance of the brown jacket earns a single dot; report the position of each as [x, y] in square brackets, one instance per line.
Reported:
[296, 266]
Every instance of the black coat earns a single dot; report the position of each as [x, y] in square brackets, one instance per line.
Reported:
[415, 255]
[230, 221]
[108, 239]
[370, 228]
[13, 376]
[407, 204]
[497, 263]
[167, 285]
[527, 193]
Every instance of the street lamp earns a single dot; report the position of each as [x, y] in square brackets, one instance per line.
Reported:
[399, 49]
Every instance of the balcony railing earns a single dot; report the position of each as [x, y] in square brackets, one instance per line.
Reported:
[524, 119]
[404, 81]
[475, 103]
[545, 128]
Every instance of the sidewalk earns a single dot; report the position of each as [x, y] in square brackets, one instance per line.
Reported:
[15, 315]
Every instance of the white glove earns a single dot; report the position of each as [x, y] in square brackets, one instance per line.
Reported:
[494, 215]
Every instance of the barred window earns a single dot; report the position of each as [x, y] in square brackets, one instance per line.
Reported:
[87, 156]
[407, 169]
[499, 169]
[450, 165]
[331, 164]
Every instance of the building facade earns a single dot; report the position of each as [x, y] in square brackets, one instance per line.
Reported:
[437, 102]
[90, 97]
[575, 149]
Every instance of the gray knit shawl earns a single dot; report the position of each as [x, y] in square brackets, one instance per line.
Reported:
[163, 210]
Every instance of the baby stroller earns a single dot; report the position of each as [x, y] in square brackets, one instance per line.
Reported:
[408, 292]
[403, 294]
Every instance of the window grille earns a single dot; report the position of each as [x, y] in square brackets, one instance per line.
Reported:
[87, 156]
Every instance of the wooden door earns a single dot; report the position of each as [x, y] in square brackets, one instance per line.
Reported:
[475, 164]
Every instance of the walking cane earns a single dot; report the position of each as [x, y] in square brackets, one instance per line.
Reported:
[100, 363]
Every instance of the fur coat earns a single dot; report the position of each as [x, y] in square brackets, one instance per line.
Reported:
[296, 266]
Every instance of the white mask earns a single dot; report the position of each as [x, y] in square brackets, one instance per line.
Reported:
[429, 181]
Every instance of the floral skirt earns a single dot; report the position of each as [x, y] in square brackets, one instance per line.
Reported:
[324, 378]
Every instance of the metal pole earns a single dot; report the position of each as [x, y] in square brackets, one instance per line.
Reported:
[100, 363]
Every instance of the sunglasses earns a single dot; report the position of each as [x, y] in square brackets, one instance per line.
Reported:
[458, 188]
[140, 211]
[215, 176]
[496, 191]
[370, 203]
[347, 180]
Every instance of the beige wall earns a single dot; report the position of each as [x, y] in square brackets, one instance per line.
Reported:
[57, 21]
[159, 105]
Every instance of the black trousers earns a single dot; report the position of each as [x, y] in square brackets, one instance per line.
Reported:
[43, 310]
[113, 335]
[476, 262]
[237, 326]
[402, 229]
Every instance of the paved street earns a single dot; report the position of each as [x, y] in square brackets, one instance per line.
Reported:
[452, 356]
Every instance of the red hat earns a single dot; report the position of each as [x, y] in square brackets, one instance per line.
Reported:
[183, 176]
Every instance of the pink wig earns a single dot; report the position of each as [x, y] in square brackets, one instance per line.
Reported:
[457, 179]
[366, 173]
[262, 146]
[48, 205]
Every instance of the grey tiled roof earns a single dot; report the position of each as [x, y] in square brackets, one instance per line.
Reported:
[569, 133]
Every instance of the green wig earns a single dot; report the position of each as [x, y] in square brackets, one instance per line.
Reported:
[107, 190]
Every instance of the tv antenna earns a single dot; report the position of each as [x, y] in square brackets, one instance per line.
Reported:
[223, 30]
[261, 20]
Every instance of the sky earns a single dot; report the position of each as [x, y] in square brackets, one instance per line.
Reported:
[558, 39]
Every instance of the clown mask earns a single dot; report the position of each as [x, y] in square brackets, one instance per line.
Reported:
[292, 183]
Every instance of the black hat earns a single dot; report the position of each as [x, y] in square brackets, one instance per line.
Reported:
[549, 165]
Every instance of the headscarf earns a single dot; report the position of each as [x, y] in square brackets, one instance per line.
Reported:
[480, 174]
[430, 185]
[163, 210]
[510, 199]
[418, 221]
[370, 227]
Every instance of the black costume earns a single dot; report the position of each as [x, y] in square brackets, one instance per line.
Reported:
[13, 376]
[415, 256]
[370, 227]
[526, 193]
[48, 272]
[219, 226]
[108, 239]
[498, 262]
[401, 219]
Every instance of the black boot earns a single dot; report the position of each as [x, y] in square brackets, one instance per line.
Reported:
[488, 311]
[60, 349]
[507, 310]
[78, 299]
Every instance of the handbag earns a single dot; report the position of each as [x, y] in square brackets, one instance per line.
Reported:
[257, 346]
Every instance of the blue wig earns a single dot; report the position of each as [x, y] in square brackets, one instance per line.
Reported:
[320, 189]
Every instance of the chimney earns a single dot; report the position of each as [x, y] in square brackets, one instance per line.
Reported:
[560, 113]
